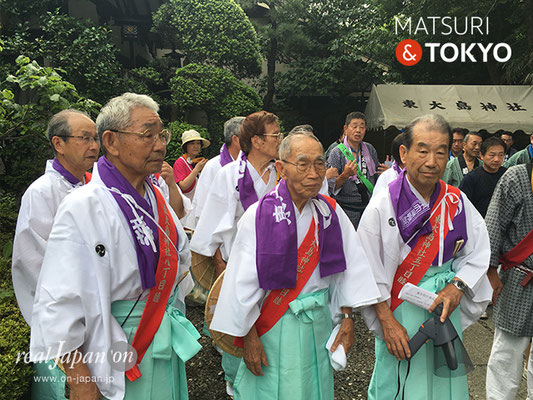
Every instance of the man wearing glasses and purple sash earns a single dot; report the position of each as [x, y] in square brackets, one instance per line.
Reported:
[72, 135]
[112, 270]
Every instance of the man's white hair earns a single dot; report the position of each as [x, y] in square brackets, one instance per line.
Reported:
[285, 148]
[116, 114]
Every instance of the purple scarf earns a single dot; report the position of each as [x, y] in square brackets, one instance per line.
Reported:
[144, 232]
[396, 167]
[277, 241]
[245, 185]
[64, 173]
[225, 156]
[412, 216]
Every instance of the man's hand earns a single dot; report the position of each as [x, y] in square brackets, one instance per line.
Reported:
[332, 172]
[85, 391]
[254, 353]
[200, 165]
[383, 167]
[167, 173]
[495, 282]
[394, 334]
[345, 336]
[450, 297]
[79, 379]
[350, 169]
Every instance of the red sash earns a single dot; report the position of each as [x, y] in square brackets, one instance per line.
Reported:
[517, 255]
[165, 275]
[417, 262]
[88, 177]
[277, 302]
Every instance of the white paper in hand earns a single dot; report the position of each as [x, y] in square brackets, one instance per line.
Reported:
[338, 358]
[417, 296]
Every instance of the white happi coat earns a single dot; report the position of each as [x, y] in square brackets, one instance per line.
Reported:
[384, 179]
[217, 225]
[203, 186]
[77, 286]
[36, 216]
[379, 233]
[241, 298]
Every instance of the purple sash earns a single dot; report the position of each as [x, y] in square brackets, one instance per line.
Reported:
[64, 173]
[396, 167]
[143, 229]
[225, 156]
[277, 241]
[245, 185]
[412, 216]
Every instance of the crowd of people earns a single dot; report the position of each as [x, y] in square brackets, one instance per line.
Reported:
[301, 239]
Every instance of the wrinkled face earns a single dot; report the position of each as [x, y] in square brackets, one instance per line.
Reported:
[355, 131]
[508, 140]
[79, 153]
[473, 146]
[426, 160]
[457, 143]
[269, 143]
[193, 148]
[303, 185]
[138, 156]
[493, 158]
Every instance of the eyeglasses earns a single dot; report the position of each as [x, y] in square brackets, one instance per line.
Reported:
[278, 136]
[86, 139]
[149, 137]
[304, 166]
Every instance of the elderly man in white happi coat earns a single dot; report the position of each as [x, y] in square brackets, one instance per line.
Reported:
[296, 268]
[111, 270]
[236, 187]
[75, 143]
[229, 152]
[425, 232]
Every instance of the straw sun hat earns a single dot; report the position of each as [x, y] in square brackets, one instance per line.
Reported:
[189, 136]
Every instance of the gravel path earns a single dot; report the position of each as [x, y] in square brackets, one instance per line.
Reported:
[206, 378]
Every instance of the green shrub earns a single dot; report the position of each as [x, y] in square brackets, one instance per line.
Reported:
[216, 32]
[217, 92]
[15, 377]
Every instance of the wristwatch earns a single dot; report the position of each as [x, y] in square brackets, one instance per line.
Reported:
[347, 315]
[460, 285]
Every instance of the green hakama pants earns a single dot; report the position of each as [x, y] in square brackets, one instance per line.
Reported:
[298, 362]
[421, 383]
[163, 364]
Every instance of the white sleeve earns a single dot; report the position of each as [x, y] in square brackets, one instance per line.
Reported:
[34, 224]
[355, 287]
[216, 226]
[471, 264]
[240, 299]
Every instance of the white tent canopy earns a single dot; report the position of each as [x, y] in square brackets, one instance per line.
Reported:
[472, 107]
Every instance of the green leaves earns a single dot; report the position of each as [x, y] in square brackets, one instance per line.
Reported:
[29, 98]
[216, 32]
[214, 90]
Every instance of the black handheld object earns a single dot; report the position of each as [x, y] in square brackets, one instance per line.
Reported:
[442, 334]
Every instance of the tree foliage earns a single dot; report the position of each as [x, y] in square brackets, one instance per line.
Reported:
[85, 51]
[28, 99]
[214, 90]
[210, 32]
